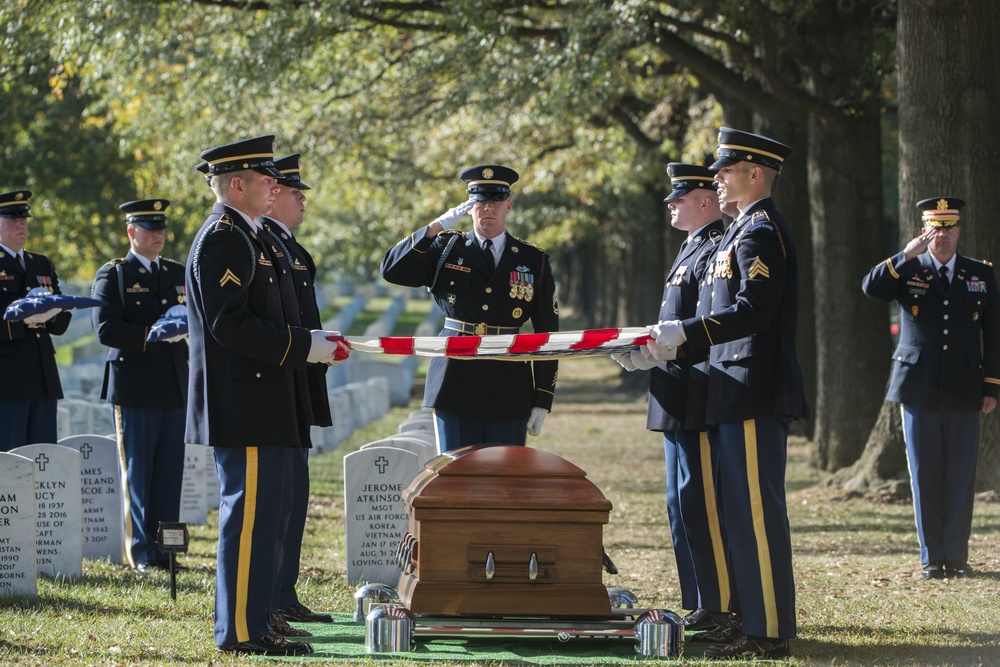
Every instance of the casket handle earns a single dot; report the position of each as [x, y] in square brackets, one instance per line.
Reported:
[533, 567]
[491, 566]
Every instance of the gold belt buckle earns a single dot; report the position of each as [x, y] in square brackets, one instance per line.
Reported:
[479, 329]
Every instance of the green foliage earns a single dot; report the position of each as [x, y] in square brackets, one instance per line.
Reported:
[386, 101]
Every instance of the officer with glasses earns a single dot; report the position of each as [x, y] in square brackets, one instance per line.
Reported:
[487, 282]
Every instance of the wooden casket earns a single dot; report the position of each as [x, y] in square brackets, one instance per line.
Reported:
[504, 530]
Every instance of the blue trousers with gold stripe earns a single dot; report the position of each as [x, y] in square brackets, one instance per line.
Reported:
[250, 514]
[695, 521]
[751, 483]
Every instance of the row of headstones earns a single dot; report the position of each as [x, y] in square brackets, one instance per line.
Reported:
[375, 477]
[352, 406]
[61, 503]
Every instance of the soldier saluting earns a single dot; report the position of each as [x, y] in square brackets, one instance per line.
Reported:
[487, 282]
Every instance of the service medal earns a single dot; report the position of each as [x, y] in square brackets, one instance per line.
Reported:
[517, 312]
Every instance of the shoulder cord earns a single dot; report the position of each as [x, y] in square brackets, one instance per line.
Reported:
[441, 261]
[196, 255]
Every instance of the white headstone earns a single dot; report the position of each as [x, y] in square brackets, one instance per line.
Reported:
[194, 489]
[374, 480]
[58, 510]
[101, 495]
[417, 424]
[424, 450]
[18, 570]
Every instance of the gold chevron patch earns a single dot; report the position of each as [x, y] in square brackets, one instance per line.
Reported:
[229, 277]
[759, 268]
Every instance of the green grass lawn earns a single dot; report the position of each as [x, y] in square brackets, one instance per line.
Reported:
[860, 598]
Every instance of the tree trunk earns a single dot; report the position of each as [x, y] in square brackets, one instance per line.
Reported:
[844, 168]
[884, 456]
[947, 90]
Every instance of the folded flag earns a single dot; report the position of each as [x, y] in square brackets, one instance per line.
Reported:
[172, 323]
[40, 300]
[510, 347]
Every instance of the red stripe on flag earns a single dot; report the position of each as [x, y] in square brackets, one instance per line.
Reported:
[397, 344]
[593, 338]
[462, 346]
[642, 340]
[528, 342]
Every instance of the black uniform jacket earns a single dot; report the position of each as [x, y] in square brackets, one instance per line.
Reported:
[242, 390]
[753, 367]
[140, 374]
[301, 272]
[27, 355]
[669, 382]
[520, 289]
[948, 355]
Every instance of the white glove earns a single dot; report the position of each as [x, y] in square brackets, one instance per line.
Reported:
[453, 215]
[175, 339]
[41, 318]
[658, 352]
[668, 334]
[625, 360]
[643, 360]
[322, 349]
[535, 420]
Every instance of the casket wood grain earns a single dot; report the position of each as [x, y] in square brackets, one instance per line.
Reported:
[515, 504]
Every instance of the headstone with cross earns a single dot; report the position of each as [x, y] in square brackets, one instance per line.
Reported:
[374, 480]
[18, 570]
[58, 509]
[101, 496]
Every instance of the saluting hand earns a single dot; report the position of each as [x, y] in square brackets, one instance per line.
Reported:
[448, 219]
[919, 244]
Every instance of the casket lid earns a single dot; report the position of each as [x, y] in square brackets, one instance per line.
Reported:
[504, 477]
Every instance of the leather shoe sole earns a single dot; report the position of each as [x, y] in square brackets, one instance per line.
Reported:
[269, 644]
[749, 648]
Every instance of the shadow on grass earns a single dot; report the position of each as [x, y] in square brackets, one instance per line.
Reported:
[899, 647]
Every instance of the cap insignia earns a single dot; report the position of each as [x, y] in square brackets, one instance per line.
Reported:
[157, 206]
[942, 205]
[487, 173]
[19, 196]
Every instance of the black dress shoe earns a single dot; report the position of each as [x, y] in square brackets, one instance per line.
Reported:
[269, 644]
[747, 647]
[956, 569]
[933, 570]
[303, 614]
[703, 619]
[281, 626]
[728, 632]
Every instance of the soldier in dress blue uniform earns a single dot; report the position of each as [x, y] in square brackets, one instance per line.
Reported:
[946, 369]
[27, 405]
[487, 282]
[754, 388]
[146, 383]
[300, 270]
[244, 396]
[695, 524]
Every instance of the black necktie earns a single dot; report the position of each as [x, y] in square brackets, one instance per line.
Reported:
[944, 277]
[20, 258]
[488, 253]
